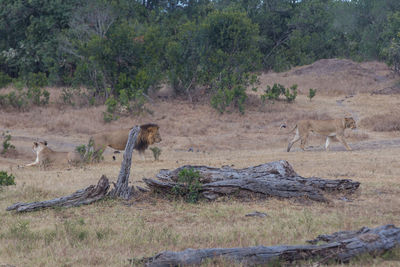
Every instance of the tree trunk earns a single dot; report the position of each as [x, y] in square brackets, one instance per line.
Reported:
[80, 197]
[274, 179]
[341, 247]
[122, 188]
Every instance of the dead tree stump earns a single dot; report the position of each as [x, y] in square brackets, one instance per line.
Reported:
[274, 179]
[122, 188]
[341, 247]
[81, 197]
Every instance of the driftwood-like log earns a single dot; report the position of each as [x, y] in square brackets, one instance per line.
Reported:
[341, 247]
[121, 188]
[274, 179]
[81, 197]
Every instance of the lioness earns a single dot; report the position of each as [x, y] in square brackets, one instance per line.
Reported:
[46, 156]
[148, 135]
[329, 128]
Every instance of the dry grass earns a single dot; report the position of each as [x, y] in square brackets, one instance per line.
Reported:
[383, 123]
[108, 233]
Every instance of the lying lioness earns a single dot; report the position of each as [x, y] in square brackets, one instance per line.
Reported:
[46, 156]
[329, 128]
[148, 135]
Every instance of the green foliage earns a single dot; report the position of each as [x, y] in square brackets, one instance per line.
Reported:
[6, 179]
[273, 93]
[156, 152]
[125, 48]
[311, 93]
[88, 154]
[34, 80]
[291, 93]
[109, 115]
[188, 186]
[27, 93]
[7, 146]
[4, 79]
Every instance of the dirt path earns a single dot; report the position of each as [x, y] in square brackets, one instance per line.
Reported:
[363, 145]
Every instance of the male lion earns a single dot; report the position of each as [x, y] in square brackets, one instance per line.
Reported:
[329, 128]
[148, 135]
[46, 156]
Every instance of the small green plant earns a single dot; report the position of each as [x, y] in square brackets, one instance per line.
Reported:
[273, 93]
[291, 94]
[6, 179]
[311, 93]
[88, 154]
[6, 143]
[156, 152]
[189, 186]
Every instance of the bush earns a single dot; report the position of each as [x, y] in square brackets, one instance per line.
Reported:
[109, 115]
[27, 93]
[273, 93]
[6, 143]
[311, 93]
[4, 79]
[291, 94]
[6, 179]
[189, 186]
[87, 154]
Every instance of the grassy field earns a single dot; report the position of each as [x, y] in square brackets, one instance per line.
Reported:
[109, 232]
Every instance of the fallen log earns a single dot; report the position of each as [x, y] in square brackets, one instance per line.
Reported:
[274, 179]
[81, 197]
[341, 247]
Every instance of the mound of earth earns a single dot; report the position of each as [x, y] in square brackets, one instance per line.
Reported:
[335, 76]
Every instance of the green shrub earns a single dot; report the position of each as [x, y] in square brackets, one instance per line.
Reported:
[87, 154]
[188, 186]
[156, 152]
[4, 79]
[291, 94]
[273, 93]
[311, 93]
[6, 143]
[38, 96]
[6, 179]
[36, 80]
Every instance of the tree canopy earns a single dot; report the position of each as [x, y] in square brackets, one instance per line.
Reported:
[116, 47]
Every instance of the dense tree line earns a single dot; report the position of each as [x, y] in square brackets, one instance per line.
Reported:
[121, 48]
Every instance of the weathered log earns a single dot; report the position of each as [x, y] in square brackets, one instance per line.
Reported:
[81, 197]
[274, 179]
[121, 188]
[342, 247]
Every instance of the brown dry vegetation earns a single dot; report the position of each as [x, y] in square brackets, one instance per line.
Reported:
[109, 232]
